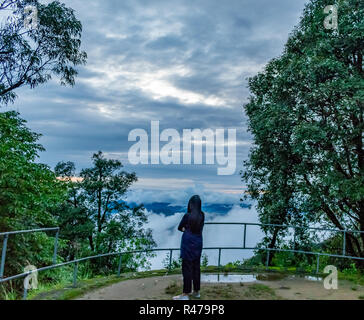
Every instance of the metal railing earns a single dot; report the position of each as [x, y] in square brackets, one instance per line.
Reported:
[6, 235]
[245, 224]
[171, 250]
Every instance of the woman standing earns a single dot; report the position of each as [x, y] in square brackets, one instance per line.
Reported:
[191, 248]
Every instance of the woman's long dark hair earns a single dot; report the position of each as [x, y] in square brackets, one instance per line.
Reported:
[195, 214]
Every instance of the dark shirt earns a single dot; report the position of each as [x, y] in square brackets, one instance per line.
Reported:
[184, 224]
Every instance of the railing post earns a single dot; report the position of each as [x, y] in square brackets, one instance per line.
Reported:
[294, 239]
[219, 261]
[3, 255]
[267, 262]
[344, 243]
[55, 248]
[25, 293]
[318, 264]
[119, 267]
[170, 259]
[244, 235]
[75, 274]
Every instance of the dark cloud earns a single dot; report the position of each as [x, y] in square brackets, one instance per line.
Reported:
[166, 43]
[184, 63]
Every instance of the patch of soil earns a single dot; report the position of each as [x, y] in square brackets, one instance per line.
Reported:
[299, 288]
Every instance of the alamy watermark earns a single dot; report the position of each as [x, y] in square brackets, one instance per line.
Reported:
[330, 281]
[31, 280]
[31, 17]
[331, 20]
[178, 148]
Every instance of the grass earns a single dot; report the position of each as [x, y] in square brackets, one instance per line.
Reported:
[258, 290]
[9, 294]
[222, 292]
[65, 291]
[355, 277]
[173, 288]
[238, 292]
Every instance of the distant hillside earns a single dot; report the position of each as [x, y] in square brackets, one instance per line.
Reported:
[169, 209]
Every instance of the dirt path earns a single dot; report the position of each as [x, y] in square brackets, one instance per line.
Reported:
[296, 288]
[165, 287]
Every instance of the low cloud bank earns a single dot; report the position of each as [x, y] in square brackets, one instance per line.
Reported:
[167, 192]
[166, 235]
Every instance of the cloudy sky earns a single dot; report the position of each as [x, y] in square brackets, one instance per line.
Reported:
[184, 63]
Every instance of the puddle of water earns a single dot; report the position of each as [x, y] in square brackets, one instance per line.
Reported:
[310, 278]
[237, 278]
[227, 278]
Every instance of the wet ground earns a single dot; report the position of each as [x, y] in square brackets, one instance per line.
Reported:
[230, 287]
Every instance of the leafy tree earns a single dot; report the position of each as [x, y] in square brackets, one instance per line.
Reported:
[306, 115]
[30, 56]
[28, 193]
[76, 226]
[98, 196]
[271, 167]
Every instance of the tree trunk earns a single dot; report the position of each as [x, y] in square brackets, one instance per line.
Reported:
[272, 244]
[91, 243]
